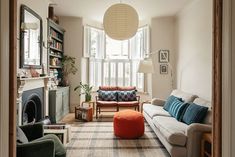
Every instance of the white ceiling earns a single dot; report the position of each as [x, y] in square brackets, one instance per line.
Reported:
[95, 9]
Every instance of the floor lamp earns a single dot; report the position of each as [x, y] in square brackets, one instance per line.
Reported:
[146, 67]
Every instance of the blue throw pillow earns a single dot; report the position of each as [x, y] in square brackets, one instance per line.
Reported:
[194, 114]
[169, 101]
[129, 95]
[107, 95]
[177, 109]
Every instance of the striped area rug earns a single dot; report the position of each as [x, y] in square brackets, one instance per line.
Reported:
[96, 139]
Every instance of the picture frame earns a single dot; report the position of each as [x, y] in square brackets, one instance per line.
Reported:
[163, 69]
[163, 56]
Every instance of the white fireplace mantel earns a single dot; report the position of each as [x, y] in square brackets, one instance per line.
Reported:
[24, 84]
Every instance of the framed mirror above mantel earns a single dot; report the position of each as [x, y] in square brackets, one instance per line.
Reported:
[31, 38]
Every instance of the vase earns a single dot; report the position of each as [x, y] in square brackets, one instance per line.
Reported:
[88, 97]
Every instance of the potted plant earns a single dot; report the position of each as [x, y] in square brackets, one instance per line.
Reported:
[68, 67]
[86, 89]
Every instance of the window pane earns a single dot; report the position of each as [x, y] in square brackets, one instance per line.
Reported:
[116, 49]
[106, 74]
[113, 74]
[120, 74]
[127, 74]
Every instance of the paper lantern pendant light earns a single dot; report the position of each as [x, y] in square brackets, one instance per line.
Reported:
[120, 21]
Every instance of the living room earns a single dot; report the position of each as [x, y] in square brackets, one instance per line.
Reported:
[146, 94]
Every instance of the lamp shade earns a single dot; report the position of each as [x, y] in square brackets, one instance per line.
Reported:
[146, 66]
[120, 21]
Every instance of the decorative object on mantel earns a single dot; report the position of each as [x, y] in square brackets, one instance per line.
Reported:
[163, 56]
[33, 72]
[68, 67]
[121, 21]
[86, 89]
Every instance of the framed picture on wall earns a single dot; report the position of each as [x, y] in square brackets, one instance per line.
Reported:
[163, 69]
[163, 56]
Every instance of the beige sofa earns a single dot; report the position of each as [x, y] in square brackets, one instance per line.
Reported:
[180, 139]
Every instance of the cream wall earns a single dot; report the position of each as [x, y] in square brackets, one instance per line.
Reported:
[162, 37]
[73, 47]
[194, 48]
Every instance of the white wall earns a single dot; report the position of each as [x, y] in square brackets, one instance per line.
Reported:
[162, 37]
[194, 48]
[73, 47]
[4, 77]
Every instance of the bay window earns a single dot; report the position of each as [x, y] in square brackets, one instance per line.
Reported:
[113, 62]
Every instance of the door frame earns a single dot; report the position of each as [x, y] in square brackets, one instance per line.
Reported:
[217, 77]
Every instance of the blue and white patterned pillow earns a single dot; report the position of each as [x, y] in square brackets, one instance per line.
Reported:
[129, 95]
[107, 95]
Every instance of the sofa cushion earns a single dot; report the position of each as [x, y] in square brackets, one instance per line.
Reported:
[177, 109]
[153, 110]
[194, 114]
[203, 102]
[106, 103]
[126, 88]
[108, 88]
[128, 103]
[127, 95]
[171, 129]
[107, 95]
[186, 97]
[169, 102]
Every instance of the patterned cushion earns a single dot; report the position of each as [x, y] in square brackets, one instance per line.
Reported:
[169, 101]
[194, 114]
[127, 95]
[107, 95]
[177, 109]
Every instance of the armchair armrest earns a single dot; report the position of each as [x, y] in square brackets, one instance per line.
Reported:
[194, 134]
[33, 131]
[36, 149]
[158, 102]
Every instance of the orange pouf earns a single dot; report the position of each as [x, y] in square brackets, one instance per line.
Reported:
[128, 124]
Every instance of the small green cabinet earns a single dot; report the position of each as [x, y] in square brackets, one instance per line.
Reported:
[58, 103]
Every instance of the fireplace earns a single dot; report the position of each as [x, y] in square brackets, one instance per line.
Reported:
[32, 105]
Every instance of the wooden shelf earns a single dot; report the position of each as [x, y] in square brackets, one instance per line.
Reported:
[57, 39]
[53, 55]
[55, 67]
[55, 49]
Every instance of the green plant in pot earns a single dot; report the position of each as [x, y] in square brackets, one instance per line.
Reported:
[85, 89]
[68, 67]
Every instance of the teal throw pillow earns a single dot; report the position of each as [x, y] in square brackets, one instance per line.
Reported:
[169, 101]
[177, 109]
[194, 114]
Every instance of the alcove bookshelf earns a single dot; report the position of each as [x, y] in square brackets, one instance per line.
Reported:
[55, 49]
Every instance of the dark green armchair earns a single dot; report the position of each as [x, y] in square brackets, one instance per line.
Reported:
[39, 145]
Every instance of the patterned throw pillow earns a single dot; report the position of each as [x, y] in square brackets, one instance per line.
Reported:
[177, 109]
[129, 95]
[169, 101]
[194, 114]
[107, 95]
